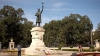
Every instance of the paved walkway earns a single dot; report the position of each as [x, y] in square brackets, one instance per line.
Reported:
[60, 53]
[7, 54]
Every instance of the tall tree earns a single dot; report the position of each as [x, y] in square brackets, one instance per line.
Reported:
[96, 33]
[72, 29]
[12, 25]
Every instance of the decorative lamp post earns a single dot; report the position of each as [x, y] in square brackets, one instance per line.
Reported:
[91, 37]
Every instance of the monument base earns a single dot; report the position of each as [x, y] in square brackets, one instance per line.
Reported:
[37, 46]
[30, 51]
[38, 51]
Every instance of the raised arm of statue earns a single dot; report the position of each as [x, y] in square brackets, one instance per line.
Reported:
[42, 10]
[42, 7]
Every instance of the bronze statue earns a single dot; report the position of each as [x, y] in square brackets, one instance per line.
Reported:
[38, 14]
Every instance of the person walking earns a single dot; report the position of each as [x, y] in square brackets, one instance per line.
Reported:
[19, 49]
[80, 48]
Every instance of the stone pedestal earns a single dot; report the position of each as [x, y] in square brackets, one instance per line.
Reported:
[97, 45]
[37, 46]
[11, 45]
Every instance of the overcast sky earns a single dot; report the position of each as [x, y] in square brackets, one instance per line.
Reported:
[57, 9]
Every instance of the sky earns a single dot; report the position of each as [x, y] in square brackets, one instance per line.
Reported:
[57, 9]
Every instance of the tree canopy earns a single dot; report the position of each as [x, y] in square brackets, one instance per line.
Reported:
[72, 29]
[96, 33]
[13, 25]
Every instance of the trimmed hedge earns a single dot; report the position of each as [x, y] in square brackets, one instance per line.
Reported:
[11, 50]
[85, 50]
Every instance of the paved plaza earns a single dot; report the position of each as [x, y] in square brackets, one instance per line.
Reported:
[62, 53]
[58, 53]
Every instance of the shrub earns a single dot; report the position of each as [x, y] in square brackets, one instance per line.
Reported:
[59, 47]
[91, 47]
[71, 46]
[70, 49]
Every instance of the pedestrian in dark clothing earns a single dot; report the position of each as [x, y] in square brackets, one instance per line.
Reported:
[19, 49]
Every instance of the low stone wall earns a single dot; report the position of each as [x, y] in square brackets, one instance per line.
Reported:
[74, 48]
[68, 48]
[53, 47]
[22, 52]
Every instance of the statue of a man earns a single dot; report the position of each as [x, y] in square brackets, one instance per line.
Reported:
[38, 14]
